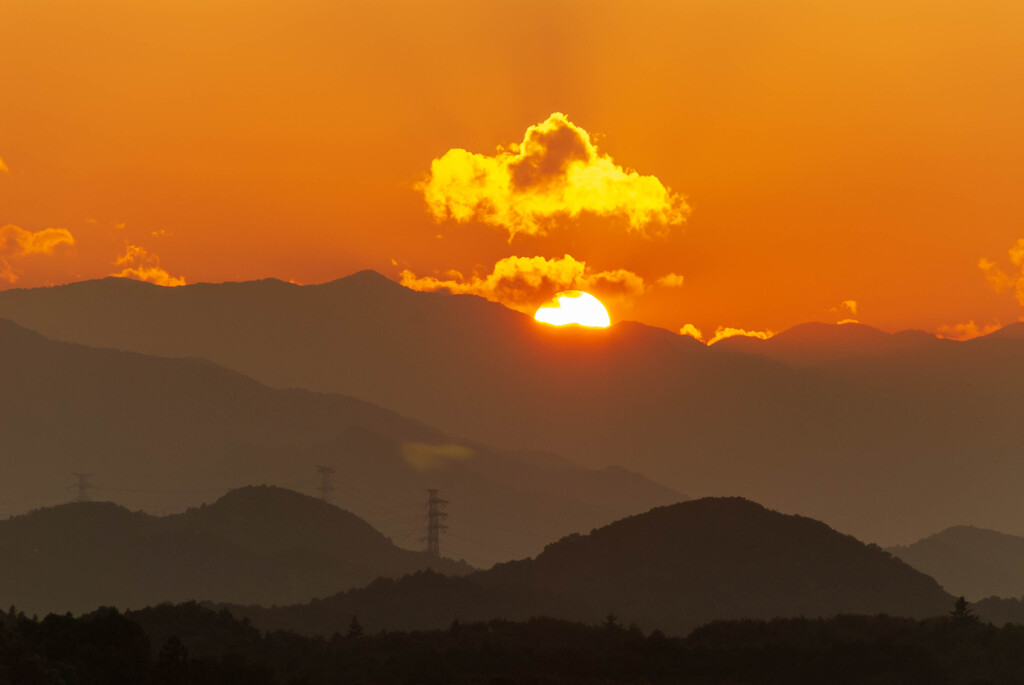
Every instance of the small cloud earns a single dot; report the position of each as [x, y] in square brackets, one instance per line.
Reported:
[144, 266]
[723, 332]
[160, 233]
[670, 281]
[3, 167]
[120, 226]
[692, 331]
[847, 309]
[17, 243]
[523, 283]
[966, 331]
[425, 457]
[1001, 280]
[557, 171]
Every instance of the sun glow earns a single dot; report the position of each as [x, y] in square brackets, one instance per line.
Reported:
[573, 306]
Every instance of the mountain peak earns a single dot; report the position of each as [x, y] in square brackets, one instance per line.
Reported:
[1013, 330]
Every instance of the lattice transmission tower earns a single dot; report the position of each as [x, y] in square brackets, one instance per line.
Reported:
[83, 486]
[326, 482]
[435, 515]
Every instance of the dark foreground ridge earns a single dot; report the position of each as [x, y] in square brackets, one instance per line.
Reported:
[189, 644]
[672, 568]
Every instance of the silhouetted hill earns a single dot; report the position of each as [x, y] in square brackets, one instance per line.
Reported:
[851, 415]
[1000, 611]
[814, 343]
[968, 561]
[673, 568]
[163, 434]
[255, 544]
[1013, 330]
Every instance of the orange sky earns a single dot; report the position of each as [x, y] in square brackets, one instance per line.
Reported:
[828, 151]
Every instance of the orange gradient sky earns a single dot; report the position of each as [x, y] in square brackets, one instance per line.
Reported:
[826, 152]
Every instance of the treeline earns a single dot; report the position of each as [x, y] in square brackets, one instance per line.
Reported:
[185, 644]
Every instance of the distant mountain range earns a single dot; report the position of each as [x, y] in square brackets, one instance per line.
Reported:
[672, 568]
[968, 561]
[160, 434]
[886, 436]
[264, 545]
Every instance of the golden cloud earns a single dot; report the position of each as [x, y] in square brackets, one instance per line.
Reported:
[3, 167]
[723, 332]
[999, 279]
[692, 331]
[966, 331]
[524, 282]
[17, 242]
[847, 309]
[144, 266]
[671, 281]
[556, 171]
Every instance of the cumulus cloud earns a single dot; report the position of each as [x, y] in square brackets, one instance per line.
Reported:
[524, 282]
[966, 331]
[670, 281]
[847, 309]
[1001, 280]
[557, 171]
[692, 331]
[144, 266]
[3, 167]
[17, 242]
[723, 332]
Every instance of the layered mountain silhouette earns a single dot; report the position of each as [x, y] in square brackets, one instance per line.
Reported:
[814, 343]
[162, 434]
[968, 561]
[672, 568]
[820, 419]
[265, 545]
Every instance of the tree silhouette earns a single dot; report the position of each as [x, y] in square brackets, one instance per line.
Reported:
[611, 622]
[355, 629]
[962, 612]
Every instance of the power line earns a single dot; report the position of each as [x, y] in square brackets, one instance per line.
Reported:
[435, 514]
[83, 486]
[326, 482]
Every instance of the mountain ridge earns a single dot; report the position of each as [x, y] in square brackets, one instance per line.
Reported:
[904, 425]
[672, 568]
[255, 544]
[170, 431]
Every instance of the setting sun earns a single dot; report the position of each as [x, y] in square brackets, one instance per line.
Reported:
[573, 306]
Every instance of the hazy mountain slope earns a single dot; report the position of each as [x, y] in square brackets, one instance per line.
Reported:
[672, 568]
[968, 561]
[925, 430]
[813, 343]
[1013, 330]
[164, 433]
[263, 545]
